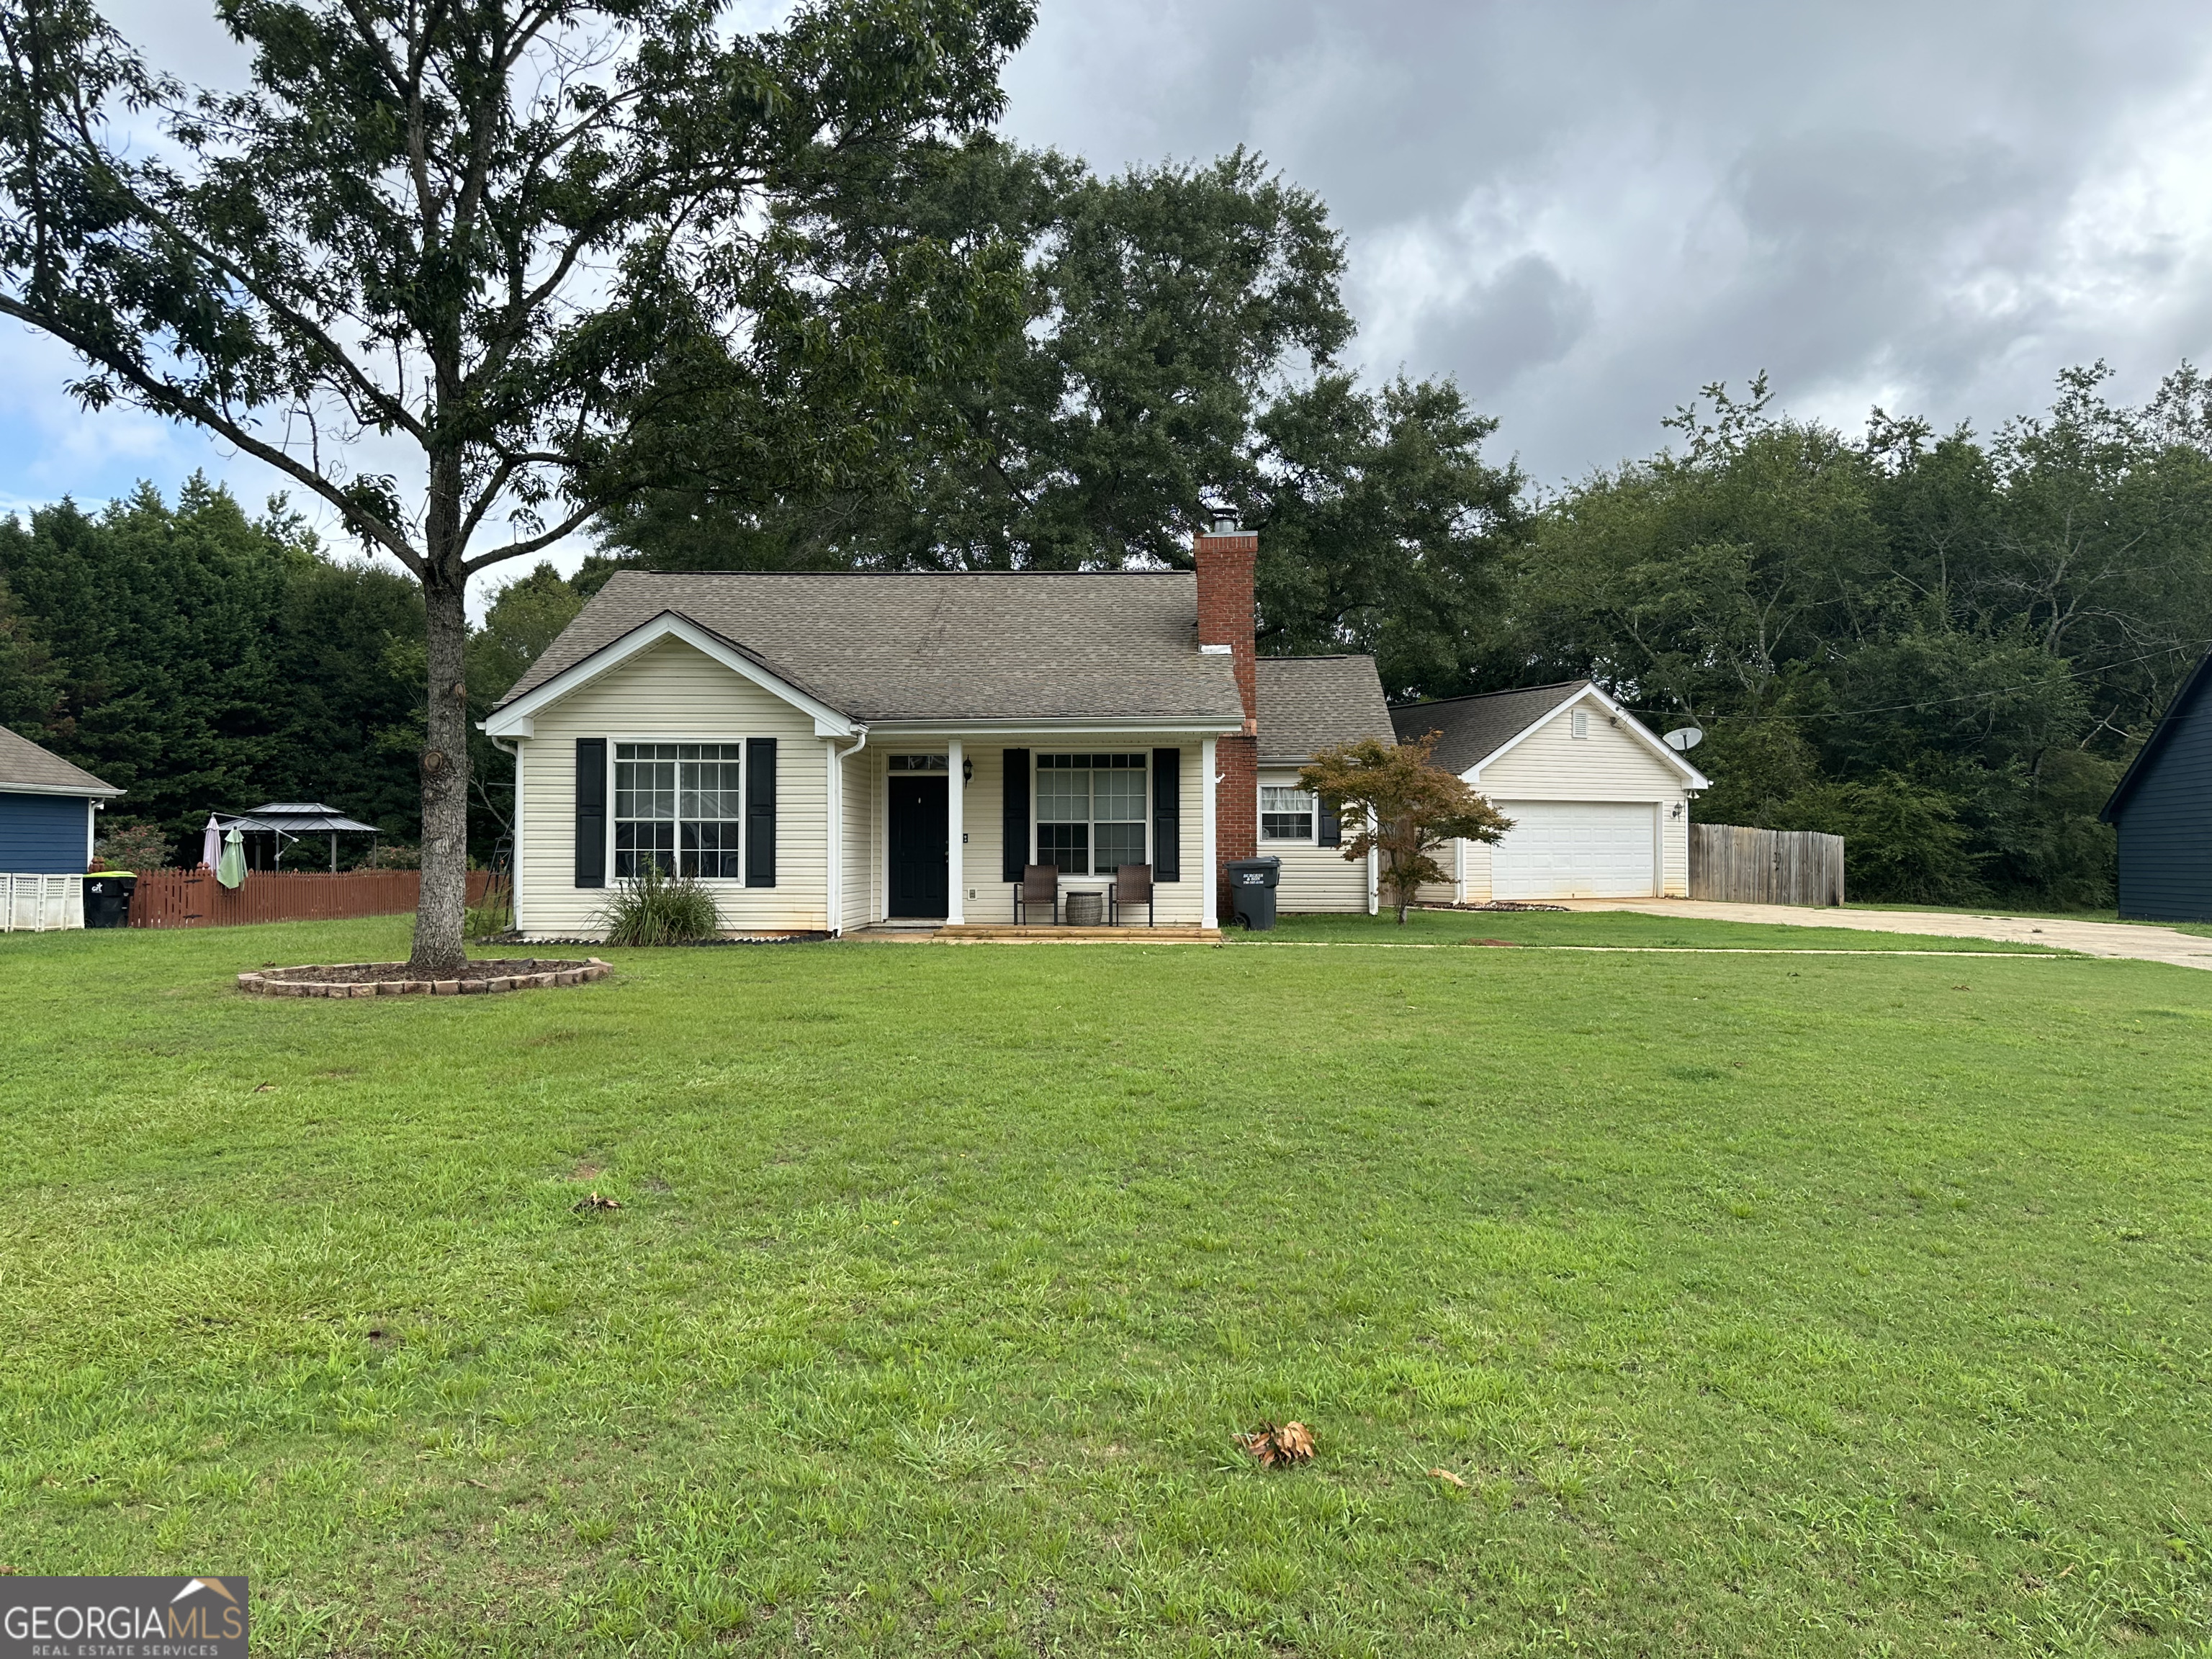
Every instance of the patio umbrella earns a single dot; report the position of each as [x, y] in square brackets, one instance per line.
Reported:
[232, 871]
[210, 843]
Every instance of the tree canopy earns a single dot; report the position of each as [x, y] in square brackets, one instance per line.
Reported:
[1942, 647]
[537, 253]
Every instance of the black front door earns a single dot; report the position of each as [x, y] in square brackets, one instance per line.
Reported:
[917, 846]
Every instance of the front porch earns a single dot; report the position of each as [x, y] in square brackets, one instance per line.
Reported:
[1036, 933]
[937, 828]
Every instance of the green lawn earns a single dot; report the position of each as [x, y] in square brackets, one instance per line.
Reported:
[1767, 1304]
[1607, 929]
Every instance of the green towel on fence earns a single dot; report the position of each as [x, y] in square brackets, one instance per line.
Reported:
[231, 872]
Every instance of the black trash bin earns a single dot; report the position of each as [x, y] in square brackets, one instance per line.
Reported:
[107, 898]
[1252, 891]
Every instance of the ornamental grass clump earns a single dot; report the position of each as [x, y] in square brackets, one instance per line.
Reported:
[655, 907]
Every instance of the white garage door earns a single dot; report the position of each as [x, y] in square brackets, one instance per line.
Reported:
[1576, 849]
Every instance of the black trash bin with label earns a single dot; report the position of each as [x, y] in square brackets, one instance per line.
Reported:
[1252, 891]
[107, 898]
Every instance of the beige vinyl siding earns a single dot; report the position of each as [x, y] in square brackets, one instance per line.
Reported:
[1317, 879]
[859, 903]
[1610, 764]
[1314, 878]
[670, 692]
[990, 895]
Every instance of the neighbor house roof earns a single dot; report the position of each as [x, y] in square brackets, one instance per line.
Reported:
[2183, 706]
[24, 767]
[1475, 728]
[1311, 704]
[928, 645]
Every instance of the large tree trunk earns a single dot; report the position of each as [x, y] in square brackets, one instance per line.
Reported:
[441, 912]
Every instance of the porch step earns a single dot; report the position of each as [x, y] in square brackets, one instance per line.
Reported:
[1012, 934]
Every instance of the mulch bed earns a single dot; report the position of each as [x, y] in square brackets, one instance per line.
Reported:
[1494, 904]
[390, 979]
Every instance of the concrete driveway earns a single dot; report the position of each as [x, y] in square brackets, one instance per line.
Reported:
[2134, 941]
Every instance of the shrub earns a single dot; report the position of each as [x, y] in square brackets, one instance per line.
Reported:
[658, 908]
[1902, 841]
[136, 847]
[391, 855]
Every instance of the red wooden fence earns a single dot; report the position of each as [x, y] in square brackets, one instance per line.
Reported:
[194, 898]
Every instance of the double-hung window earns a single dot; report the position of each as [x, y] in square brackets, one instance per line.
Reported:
[679, 805]
[1091, 812]
[1285, 813]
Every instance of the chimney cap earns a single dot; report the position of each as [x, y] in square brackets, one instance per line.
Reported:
[1222, 519]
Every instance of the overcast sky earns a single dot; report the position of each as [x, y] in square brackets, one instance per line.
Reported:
[1584, 211]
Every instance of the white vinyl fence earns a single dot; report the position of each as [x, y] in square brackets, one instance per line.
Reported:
[40, 904]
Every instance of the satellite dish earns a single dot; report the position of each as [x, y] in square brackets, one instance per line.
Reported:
[1683, 738]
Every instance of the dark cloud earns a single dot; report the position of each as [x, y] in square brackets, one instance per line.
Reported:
[1587, 211]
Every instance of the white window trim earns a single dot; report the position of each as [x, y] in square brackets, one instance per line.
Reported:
[745, 794]
[1284, 780]
[1145, 821]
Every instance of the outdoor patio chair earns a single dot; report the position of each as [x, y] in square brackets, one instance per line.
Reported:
[1133, 885]
[1040, 884]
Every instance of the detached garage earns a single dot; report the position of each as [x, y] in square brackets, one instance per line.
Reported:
[1600, 808]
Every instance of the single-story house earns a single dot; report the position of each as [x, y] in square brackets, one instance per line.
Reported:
[2162, 808]
[48, 807]
[1600, 807]
[835, 751]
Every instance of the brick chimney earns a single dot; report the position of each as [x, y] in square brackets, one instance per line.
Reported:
[1225, 556]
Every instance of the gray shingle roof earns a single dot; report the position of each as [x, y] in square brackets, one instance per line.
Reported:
[1475, 728]
[926, 646]
[25, 765]
[1308, 703]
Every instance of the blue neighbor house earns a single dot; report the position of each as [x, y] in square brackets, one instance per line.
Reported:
[46, 810]
[2162, 808]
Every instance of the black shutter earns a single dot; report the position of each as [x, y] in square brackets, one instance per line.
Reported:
[1014, 816]
[760, 811]
[590, 812]
[1332, 827]
[1167, 815]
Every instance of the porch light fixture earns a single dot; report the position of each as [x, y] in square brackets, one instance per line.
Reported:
[967, 770]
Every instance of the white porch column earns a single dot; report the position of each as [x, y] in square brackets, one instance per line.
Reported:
[1374, 882]
[956, 836]
[1208, 900]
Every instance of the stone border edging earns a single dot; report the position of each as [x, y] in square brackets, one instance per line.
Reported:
[260, 984]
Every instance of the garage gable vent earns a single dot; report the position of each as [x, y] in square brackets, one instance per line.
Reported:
[1579, 723]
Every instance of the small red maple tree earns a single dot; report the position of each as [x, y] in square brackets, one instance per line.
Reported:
[1406, 807]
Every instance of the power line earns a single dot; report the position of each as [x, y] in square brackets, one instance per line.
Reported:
[1966, 696]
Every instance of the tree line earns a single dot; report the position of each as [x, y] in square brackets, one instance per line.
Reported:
[1943, 646]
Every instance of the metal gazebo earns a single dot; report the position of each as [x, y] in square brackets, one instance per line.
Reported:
[284, 821]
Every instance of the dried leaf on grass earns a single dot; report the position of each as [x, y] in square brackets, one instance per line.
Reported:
[1272, 1443]
[1446, 1475]
[595, 1202]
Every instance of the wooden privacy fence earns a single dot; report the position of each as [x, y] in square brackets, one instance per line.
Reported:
[194, 898]
[1765, 867]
